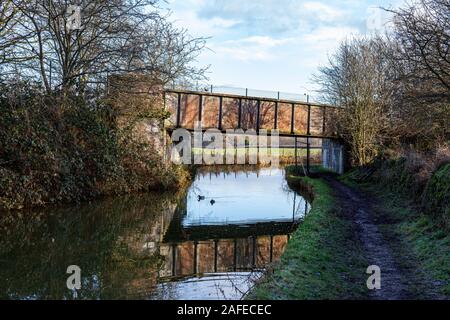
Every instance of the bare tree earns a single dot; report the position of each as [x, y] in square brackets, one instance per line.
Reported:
[9, 17]
[113, 37]
[420, 62]
[422, 32]
[357, 80]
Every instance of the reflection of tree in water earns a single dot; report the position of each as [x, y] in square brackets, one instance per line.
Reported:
[241, 284]
[112, 241]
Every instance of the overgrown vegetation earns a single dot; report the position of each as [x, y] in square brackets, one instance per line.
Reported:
[394, 88]
[417, 226]
[322, 260]
[65, 150]
[80, 99]
[422, 178]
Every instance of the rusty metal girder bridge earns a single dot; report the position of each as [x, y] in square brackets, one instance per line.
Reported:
[231, 112]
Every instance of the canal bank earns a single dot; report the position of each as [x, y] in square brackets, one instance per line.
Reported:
[323, 257]
[350, 227]
[211, 241]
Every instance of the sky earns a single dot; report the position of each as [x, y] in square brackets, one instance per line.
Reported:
[274, 45]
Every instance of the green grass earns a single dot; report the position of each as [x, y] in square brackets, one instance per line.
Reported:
[322, 260]
[432, 248]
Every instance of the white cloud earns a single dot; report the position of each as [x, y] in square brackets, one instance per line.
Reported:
[187, 17]
[265, 41]
[322, 11]
[217, 22]
[334, 34]
[255, 48]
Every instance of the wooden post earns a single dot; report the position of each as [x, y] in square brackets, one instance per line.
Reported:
[324, 121]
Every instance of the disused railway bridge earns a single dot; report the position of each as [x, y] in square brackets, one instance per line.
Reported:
[225, 112]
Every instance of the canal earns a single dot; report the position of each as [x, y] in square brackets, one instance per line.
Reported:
[212, 241]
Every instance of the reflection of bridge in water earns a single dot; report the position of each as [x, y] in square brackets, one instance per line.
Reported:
[201, 249]
[221, 255]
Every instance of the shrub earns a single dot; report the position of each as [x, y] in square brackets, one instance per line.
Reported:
[55, 149]
[436, 197]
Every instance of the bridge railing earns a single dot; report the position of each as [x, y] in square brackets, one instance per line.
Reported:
[279, 95]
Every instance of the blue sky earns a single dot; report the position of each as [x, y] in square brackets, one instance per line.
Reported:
[274, 44]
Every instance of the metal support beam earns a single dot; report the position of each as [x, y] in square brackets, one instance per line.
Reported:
[240, 114]
[308, 156]
[174, 248]
[324, 129]
[200, 107]
[220, 112]
[258, 115]
[308, 145]
[308, 132]
[276, 116]
[195, 257]
[235, 256]
[179, 111]
[293, 119]
[216, 243]
[254, 253]
[293, 209]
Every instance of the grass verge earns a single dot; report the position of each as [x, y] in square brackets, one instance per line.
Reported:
[322, 259]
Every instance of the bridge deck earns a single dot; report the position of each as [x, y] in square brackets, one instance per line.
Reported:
[227, 111]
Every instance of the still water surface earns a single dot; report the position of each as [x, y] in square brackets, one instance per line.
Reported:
[210, 242]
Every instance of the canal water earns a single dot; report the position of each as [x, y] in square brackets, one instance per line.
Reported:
[212, 241]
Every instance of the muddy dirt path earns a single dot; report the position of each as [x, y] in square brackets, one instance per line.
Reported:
[359, 208]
